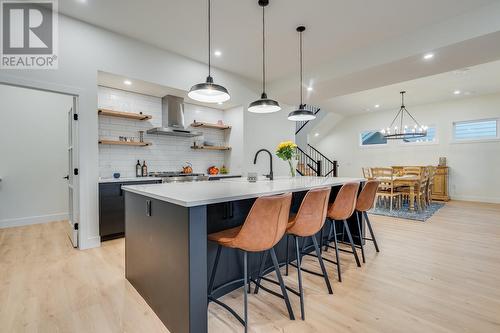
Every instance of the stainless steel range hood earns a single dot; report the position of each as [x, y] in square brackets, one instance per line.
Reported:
[172, 118]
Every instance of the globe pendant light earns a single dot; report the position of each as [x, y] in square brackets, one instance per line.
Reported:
[264, 104]
[301, 114]
[405, 130]
[209, 92]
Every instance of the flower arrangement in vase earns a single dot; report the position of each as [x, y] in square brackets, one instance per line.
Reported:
[287, 151]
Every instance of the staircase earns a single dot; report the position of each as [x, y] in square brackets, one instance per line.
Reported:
[311, 161]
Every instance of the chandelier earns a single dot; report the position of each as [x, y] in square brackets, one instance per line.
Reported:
[404, 125]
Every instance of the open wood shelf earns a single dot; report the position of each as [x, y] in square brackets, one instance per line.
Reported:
[124, 143]
[211, 147]
[209, 125]
[120, 114]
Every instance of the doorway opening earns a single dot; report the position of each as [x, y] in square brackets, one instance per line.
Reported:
[39, 164]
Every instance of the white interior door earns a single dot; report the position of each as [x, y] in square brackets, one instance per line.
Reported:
[72, 176]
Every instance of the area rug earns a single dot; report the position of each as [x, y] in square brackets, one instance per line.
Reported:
[404, 213]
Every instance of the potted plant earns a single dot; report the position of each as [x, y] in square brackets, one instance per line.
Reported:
[287, 151]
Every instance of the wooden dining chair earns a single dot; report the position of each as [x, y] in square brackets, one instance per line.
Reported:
[430, 184]
[412, 170]
[387, 189]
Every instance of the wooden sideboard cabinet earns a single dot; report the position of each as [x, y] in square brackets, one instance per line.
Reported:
[440, 186]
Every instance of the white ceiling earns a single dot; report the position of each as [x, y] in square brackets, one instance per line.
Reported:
[334, 27]
[472, 81]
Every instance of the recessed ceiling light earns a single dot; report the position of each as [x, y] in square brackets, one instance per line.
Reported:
[82, 1]
[377, 106]
[220, 103]
[457, 92]
[217, 53]
[309, 88]
[127, 82]
[316, 134]
[428, 56]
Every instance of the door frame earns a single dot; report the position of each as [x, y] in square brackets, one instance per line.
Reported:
[63, 90]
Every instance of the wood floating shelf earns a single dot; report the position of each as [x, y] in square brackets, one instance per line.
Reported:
[209, 125]
[120, 114]
[211, 147]
[124, 143]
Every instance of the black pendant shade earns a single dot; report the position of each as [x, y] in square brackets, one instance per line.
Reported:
[208, 91]
[264, 104]
[301, 114]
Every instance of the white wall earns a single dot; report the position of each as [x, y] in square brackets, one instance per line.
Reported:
[85, 49]
[34, 158]
[474, 167]
[167, 153]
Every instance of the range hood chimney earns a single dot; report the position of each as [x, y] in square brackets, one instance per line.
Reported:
[172, 118]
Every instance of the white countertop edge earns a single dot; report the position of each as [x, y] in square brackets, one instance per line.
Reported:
[234, 197]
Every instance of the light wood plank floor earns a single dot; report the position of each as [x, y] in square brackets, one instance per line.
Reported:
[439, 276]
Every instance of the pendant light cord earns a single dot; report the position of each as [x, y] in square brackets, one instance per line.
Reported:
[300, 43]
[263, 51]
[209, 38]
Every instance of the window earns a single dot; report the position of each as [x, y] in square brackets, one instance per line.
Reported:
[475, 130]
[369, 138]
[430, 137]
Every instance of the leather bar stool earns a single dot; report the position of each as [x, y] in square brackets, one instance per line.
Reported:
[364, 203]
[340, 210]
[263, 228]
[306, 224]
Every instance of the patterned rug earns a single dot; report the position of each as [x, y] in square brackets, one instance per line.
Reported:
[404, 213]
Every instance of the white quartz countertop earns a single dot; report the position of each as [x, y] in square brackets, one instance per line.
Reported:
[125, 180]
[192, 194]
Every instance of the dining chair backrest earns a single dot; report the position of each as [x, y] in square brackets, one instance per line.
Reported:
[312, 212]
[265, 224]
[412, 170]
[382, 172]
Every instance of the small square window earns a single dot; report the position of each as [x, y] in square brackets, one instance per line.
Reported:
[475, 130]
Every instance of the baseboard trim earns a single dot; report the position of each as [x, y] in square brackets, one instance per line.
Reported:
[91, 242]
[22, 221]
[475, 198]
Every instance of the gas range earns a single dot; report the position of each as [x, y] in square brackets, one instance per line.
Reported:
[176, 177]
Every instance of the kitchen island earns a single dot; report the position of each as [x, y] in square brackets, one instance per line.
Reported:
[167, 255]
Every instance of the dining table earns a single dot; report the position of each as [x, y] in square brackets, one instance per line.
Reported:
[412, 181]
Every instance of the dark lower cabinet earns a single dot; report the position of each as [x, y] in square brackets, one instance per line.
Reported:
[112, 208]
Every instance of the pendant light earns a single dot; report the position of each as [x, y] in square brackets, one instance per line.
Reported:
[209, 92]
[301, 114]
[264, 104]
[405, 130]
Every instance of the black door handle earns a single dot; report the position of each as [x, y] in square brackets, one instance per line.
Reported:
[66, 177]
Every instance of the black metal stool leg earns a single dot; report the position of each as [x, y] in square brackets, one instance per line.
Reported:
[282, 284]
[299, 275]
[371, 231]
[360, 236]
[261, 271]
[287, 259]
[245, 279]
[336, 250]
[214, 270]
[346, 226]
[322, 264]
[330, 234]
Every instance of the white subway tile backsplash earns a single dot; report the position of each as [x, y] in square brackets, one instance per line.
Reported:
[166, 153]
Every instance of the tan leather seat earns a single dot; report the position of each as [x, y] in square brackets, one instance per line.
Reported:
[367, 196]
[340, 210]
[307, 223]
[264, 226]
[345, 202]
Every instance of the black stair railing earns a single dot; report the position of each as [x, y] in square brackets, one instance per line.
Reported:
[313, 161]
[299, 125]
